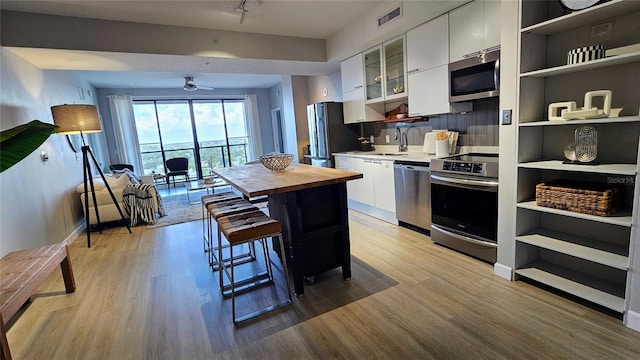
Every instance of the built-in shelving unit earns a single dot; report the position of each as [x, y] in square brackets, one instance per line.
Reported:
[583, 255]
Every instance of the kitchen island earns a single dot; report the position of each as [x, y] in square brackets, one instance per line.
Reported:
[311, 204]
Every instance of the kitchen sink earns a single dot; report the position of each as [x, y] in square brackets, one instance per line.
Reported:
[391, 154]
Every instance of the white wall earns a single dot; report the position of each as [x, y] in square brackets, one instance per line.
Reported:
[508, 139]
[332, 84]
[288, 116]
[38, 201]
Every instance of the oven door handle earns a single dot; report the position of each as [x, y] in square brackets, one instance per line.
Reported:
[465, 238]
[445, 180]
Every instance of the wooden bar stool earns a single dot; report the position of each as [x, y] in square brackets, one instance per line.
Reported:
[244, 228]
[226, 208]
[206, 200]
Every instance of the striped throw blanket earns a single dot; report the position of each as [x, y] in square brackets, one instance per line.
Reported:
[141, 203]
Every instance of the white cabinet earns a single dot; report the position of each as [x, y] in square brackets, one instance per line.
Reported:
[374, 194]
[428, 45]
[474, 27]
[585, 255]
[384, 71]
[354, 108]
[360, 190]
[427, 61]
[429, 91]
[383, 185]
[351, 72]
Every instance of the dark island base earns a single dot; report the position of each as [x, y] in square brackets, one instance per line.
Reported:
[315, 226]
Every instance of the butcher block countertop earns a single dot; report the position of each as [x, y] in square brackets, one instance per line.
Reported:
[255, 179]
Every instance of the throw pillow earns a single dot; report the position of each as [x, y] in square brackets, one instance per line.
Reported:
[98, 185]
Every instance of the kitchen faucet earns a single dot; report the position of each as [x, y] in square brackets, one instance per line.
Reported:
[404, 143]
[402, 146]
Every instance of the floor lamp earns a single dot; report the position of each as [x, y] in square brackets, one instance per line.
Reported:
[82, 119]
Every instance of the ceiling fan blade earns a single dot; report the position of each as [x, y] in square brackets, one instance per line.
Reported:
[204, 87]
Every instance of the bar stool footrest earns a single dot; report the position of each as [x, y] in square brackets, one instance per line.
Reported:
[247, 284]
[255, 314]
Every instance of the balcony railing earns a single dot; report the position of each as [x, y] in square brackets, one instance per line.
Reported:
[211, 157]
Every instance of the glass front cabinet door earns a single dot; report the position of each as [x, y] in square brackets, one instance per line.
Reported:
[394, 60]
[373, 74]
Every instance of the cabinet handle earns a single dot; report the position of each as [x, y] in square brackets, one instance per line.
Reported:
[359, 87]
[497, 47]
[412, 71]
[473, 54]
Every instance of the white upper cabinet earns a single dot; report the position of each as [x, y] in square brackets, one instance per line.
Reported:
[352, 73]
[373, 74]
[384, 71]
[491, 24]
[428, 45]
[429, 92]
[474, 27]
[394, 69]
[427, 61]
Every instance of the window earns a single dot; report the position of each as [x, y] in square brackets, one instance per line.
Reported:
[210, 133]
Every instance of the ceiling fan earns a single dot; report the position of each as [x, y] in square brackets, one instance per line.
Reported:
[190, 85]
[240, 8]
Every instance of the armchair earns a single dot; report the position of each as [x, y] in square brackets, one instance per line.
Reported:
[177, 167]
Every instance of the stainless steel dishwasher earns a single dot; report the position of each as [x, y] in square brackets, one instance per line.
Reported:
[413, 194]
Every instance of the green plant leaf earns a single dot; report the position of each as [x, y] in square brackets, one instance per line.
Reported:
[20, 141]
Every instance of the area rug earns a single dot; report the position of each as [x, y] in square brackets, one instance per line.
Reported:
[179, 210]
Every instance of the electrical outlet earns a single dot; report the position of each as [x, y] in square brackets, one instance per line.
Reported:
[506, 116]
[386, 138]
[602, 29]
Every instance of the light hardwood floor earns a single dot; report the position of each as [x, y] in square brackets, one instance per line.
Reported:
[151, 295]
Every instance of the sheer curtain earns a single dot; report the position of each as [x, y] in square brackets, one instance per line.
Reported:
[125, 133]
[253, 125]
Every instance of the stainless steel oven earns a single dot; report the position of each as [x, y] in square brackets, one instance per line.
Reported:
[464, 204]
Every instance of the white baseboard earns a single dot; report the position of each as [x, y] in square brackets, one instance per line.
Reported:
[633, 320]
[503, 271]
[75, 233]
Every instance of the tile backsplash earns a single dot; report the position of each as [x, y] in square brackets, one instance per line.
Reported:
[477, 128]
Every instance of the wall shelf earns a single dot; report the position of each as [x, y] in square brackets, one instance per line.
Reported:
[622, 218]
[591, 250]
[614, 169]
[591, 65]
[616, 120]
[582, 18]
[601, 292]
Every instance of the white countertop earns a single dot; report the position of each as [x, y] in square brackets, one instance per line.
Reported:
[390, 153]
[414, 153]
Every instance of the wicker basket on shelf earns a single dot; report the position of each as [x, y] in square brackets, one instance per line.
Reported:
[275, 161]
[583, 197]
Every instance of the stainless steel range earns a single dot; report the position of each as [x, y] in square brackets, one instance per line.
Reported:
[464, 204]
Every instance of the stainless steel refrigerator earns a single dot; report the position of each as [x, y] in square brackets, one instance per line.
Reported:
[328, 134]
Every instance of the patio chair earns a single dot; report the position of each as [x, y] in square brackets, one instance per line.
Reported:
[177, 167]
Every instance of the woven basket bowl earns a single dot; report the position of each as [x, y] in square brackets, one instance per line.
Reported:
[276, 162]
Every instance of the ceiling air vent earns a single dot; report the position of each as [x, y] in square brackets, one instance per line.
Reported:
[393, 14]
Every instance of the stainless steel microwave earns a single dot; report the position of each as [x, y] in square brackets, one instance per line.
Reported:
[475, 78]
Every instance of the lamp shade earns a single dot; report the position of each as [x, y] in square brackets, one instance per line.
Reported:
[76, 119]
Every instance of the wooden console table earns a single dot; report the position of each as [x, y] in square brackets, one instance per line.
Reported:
[311, 204]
